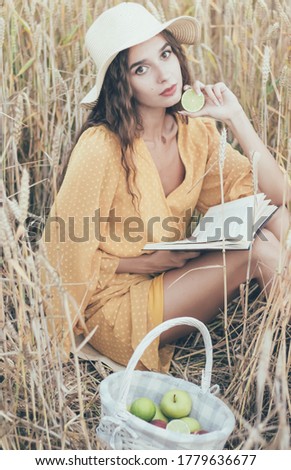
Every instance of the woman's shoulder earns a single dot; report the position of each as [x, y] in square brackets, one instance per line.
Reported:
[96, 147]
[202, 123]
[202, 127]
[97, 142]
[98, 135]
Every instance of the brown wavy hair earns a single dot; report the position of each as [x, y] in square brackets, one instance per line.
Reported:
[117, 109]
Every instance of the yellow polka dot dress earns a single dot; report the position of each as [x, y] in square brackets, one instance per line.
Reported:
[93, 223]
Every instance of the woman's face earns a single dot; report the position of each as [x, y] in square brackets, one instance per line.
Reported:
[155, 73]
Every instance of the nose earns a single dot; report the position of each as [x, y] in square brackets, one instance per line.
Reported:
[163, 74]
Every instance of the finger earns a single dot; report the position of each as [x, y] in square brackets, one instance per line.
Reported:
[209, 90]
[198, 87]
[186, 87]
[187, 254]
[217, 89]
[195, 254]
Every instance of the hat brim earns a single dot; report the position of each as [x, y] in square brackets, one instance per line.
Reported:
[185, 29]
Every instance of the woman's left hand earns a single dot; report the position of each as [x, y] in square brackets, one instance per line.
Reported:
[220, 102]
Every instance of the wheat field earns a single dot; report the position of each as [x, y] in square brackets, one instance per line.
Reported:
[45, 71]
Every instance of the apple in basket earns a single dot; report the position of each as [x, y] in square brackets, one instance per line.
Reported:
[159, 423]
[185, 426]
[159, 416]
[193, 424]
[176, 404]
[144, 408]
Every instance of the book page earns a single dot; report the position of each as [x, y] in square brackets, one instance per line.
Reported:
[232, 220]
[188, 245]
[236, 222]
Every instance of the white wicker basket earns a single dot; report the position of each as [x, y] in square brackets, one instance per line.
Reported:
[119, 429]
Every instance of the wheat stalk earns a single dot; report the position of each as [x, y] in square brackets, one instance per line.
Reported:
[29, 12]
[255, 158]
[14, 210]
[38, 42]
[221, 160]
[262, 371]
[249, 13]
[262, 11]
[266, 67]
[77, 53]
[18, 119]
[153, 9]
[161, 12]
[3, 237]
[283, 79]
[2, 31]
[56, 146]
[173, 8]
[41, 395]
[283, 15]
[69, 12]
[272, 31]
[265, 77]
[24, 196]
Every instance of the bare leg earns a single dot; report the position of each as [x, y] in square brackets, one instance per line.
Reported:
[279, 223]
[197, 289]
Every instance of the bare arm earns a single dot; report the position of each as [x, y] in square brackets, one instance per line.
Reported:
[134, 265]
[222, 104]
[157, 262]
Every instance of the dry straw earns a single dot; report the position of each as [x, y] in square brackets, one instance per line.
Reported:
[221, 160]
[48, 404]
[2, 31]
[24, 196]
[153, 9]
[265, 77]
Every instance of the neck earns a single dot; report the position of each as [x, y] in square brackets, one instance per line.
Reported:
[156, 124]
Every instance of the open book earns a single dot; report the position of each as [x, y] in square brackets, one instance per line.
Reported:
[231, 225]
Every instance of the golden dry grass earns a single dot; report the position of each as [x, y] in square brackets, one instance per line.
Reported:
[44, 72]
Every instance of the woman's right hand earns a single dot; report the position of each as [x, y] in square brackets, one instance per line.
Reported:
[155, 262]
[164, 260]
[220, 102]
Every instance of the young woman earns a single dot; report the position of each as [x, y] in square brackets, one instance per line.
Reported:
[137, 172]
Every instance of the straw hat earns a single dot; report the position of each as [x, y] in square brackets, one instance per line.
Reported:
[124, 26]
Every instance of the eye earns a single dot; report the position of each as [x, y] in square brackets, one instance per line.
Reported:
[166, 53]
[141, 70]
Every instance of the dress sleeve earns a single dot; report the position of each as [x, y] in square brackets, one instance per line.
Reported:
[70, 239]
[237, 172]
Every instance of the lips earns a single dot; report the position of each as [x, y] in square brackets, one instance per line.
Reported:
[169, 91]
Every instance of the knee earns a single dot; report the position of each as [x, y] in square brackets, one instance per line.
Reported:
[266, 248]
[279, 222]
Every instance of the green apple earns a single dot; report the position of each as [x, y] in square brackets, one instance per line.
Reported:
[144, 408]
[159, 415]
[193, 424]
[176, 404]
